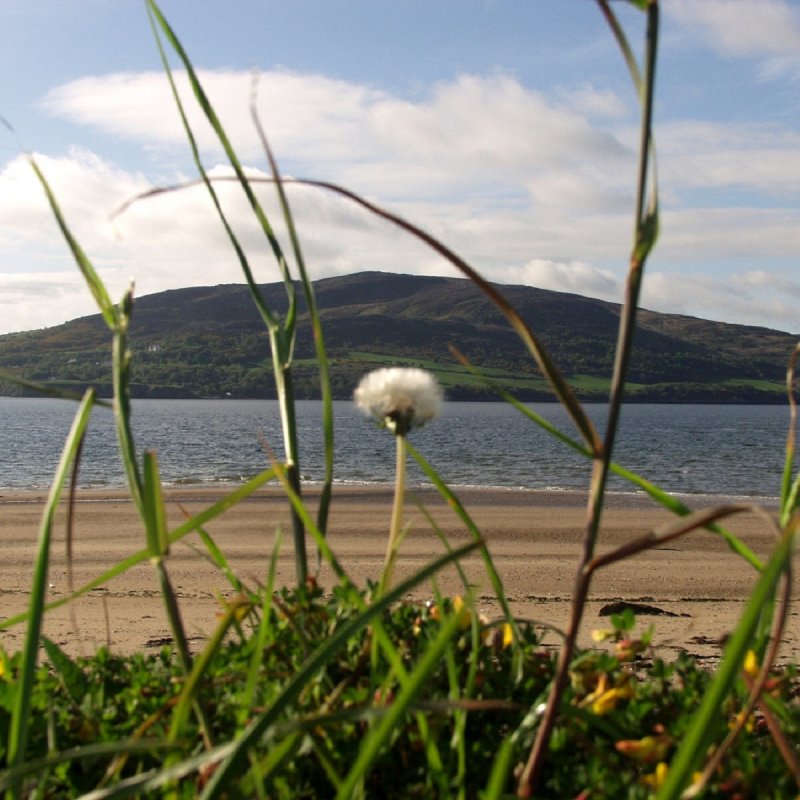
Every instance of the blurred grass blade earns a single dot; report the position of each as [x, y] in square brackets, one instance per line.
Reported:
[501, 771]
[788, 490]
[46, 390]
[322, 655]
[96, 287]
[695, 742]
[92, 751]
[282, 338]
[155, 515]
[317, 331]
[20, 715]
[372, 743]
[188, 695]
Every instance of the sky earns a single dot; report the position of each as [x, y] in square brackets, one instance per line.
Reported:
[506, 128]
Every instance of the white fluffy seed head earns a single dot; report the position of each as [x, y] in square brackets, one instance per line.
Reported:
[401, 398]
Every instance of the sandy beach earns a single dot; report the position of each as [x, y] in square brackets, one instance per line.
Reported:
[534, 538]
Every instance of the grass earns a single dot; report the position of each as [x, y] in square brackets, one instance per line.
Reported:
[355, 693]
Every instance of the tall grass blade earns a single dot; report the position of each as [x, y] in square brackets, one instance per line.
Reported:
[788, 489]
[658, 494]
[692, 748]
[20, 715]
[155, 514]
[44, 389]
[375, 740]
[316, 327]
[282, 337]
[188, 694]
[96, 286]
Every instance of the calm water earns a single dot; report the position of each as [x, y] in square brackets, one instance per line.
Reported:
[730, 450]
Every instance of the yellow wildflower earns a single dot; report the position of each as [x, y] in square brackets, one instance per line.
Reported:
[738, 719]
[647, 749]
[751, 667]
[601, 634]
[465, 617]
[508, 635]
[656, 779]
[608, 700]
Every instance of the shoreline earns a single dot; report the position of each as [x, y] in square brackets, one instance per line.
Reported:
[534, 537]
[378, 492]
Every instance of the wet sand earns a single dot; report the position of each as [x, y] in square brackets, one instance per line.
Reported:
[534, 538]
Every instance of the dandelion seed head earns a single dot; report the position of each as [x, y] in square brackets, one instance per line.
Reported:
[401, 398]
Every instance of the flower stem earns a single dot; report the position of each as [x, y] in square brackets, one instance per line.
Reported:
[397, 514]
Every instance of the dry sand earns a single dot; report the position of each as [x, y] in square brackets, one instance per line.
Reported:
[534, 537]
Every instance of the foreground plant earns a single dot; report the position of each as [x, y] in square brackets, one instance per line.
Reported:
[111, 718]
[399, 399]
[456, 706]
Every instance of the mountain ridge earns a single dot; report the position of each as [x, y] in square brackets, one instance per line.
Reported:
[210, 342]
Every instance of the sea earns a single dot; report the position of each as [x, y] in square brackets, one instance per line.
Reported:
[720, 450]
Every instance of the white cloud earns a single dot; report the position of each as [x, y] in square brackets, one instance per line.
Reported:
[526, 187]
[742, 27]
[594, 102]
[707, 155]
[731, 299]
[575, 276]
[470, 131]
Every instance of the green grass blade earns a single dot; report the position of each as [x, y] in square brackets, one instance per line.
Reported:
[155, 514]
[152, 780]
[322, 655]
[96, 286]
[788, 489]
[159, 23]
[281, 337]
[44, 389]
[120, 376]
[454, 503]
[377, 738]
[316, 327]
[20, 716]
[188, 694]
[693, 746]
[89, 751]
[662, 497]
[220, 561]
[501, 770]
[264, 625]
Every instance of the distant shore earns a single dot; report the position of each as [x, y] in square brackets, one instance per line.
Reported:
[534, 537]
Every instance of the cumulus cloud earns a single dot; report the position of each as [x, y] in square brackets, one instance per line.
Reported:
[708, 155]
[742, 27]
[529, 188]
[574, 276]
[732, 299]
[370, 139]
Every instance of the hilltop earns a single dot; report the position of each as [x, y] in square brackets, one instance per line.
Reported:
[210, 342]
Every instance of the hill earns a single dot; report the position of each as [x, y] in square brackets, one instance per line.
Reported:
[210, 342]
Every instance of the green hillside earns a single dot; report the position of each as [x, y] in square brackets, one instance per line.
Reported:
[210, 342]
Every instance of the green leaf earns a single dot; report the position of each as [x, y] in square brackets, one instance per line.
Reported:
[72, 676]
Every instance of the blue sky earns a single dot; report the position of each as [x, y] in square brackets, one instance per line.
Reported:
[508, 128]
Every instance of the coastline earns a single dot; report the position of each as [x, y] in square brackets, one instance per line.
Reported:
[534, 537]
